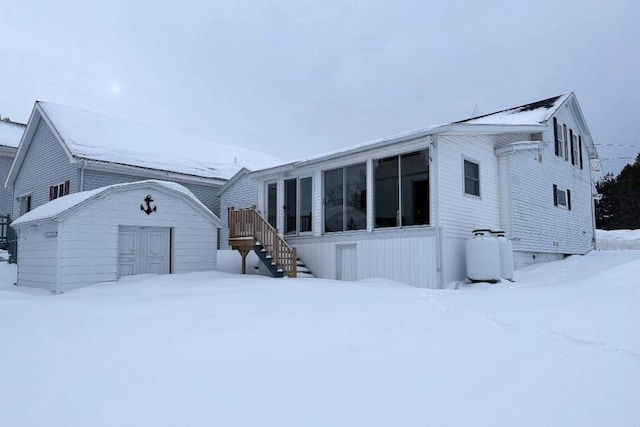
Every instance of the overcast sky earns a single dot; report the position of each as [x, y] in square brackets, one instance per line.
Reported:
[298, 78]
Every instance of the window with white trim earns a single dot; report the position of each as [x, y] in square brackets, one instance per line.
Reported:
[561, 197]
[471, 178]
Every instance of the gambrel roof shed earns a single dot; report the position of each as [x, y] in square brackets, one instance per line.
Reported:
[119, 230]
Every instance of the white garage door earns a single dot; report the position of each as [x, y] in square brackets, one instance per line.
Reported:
[143, 250]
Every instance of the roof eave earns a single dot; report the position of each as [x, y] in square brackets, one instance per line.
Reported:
[103, 166]
[491, 129]
[381, 143]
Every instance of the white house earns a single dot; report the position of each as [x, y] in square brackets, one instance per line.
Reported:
[403, 207]
[119, 230]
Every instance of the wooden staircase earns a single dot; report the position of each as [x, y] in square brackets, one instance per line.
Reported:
[248, 231]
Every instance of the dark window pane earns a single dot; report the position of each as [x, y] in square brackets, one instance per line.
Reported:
[386, 191]
[471, 178]
[356, 197]
[414, 168]
[305, 204]
[333, 199]
[562, 198]
[290, 205]
[272, 203]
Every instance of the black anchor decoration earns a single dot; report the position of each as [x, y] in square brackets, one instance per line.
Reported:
[149, 209]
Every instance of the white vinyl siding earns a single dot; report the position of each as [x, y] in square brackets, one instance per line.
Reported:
[87, 250]
[461, 214]
[537, 226]
[38, 256]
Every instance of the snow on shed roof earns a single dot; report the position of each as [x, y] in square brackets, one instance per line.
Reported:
[11, 133]
[527, 114]
[62, 205]
[95, 136]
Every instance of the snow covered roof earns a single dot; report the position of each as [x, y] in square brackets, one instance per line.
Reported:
[527, 114]
[11, 133]
[524, 118]
[60, 206]
[94, 136]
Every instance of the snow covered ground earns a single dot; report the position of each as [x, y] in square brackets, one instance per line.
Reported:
[561, 346]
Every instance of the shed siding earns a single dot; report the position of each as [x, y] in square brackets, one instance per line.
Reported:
[94, 228]
[208, 195]
[242, 194]
[85, 250]
[38, 256]
[45, 164]
[6, 194]
[538, 225]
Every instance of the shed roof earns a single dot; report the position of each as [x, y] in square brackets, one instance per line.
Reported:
[59, 207]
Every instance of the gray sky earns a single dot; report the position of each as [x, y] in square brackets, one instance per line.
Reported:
[298, 78]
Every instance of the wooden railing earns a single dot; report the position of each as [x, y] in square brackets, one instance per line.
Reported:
[245, 223]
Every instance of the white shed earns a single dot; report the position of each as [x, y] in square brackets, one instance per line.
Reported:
[120, 230]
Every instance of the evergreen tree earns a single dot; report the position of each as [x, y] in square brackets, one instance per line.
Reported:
[619, 207]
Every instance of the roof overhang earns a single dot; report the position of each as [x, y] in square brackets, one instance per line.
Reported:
[120, 168]
[37, 114]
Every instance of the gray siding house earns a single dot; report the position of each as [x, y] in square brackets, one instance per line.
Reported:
[10, 135]
[67, 150]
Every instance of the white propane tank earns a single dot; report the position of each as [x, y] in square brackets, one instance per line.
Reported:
[506, 255]
[483, 257]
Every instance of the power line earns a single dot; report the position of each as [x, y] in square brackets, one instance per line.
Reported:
[632, 145]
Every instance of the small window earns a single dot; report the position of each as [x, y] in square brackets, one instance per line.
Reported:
[565, 144]
[471, 178]
[575, 157]
[559, 135]
[58, 190]
[561, 198]
[25, 204]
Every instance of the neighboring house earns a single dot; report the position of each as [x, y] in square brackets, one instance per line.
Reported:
[10, 135]
[120, 230]
[67, 150]
[403, 207]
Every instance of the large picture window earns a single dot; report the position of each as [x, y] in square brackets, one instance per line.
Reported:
[345, 198]
[401, 190]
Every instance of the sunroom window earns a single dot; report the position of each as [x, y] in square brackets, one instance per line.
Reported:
[401, 190]
[345, 198]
